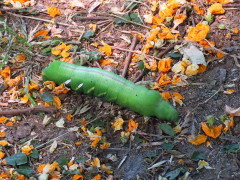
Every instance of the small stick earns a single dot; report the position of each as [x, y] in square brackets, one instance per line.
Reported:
[140, 76]
[38, 19]
[99, 18]
[28, 110]
[166, 50]
[132, 22]
[3, 104]
[236, 60]
[128, 58]
[11, 9]
[138, 52]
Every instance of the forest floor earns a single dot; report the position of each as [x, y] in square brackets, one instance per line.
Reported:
[188, 51]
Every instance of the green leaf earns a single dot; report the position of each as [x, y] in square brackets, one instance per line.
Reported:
[232, 148]
[130, 7]
[167, 129]
[25, 170]
[121, 21]
[62, 161]
[141, 65]
[46, 97]
[175, 173]
[46, 51]
[198, 155]
[135, 18]
[88, 35]
[34, 154]
[174, 55]
[17, 159]
[210, 120]
[81, 160]
[168, 146]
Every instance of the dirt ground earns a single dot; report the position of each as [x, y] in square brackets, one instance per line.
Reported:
[133, 159]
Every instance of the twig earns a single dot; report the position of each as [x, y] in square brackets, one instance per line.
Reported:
[212, 47]
[128, 58]
[132, 22]
[28, 110]
[208, 99]
[99, 18]
[104, 28]
[140, 76]
[3, 104]
[5, 150]
[167, 50]
[138, 52]
[38, 19]
[51, 140]
[122, 161]
[11, 9]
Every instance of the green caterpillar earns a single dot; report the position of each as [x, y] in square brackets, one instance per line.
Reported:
[111, 87]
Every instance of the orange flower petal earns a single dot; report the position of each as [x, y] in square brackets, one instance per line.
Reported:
[3, 143]
[132, 125]
[198, 33]
[3, 119]
[41, 33]
[69, 117]
[216, 9]
[27, 149]
[57, 102]
[166, 96]
[5, 73]
[77, 177]
[104, 145]
[199, 139]
[213, 132]
[106, 49]
[61, 89]
[164, 65]
[2, 155]
[3, 134]
[53, 11]
[178, 98]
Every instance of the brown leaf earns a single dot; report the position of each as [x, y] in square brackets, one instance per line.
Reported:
[232, 111]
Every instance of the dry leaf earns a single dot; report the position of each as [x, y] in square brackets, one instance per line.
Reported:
[60, 123]
[53, 146]
[76, 3]
[229, 91]
[46, 120]
[232, 111]
[203, 164]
